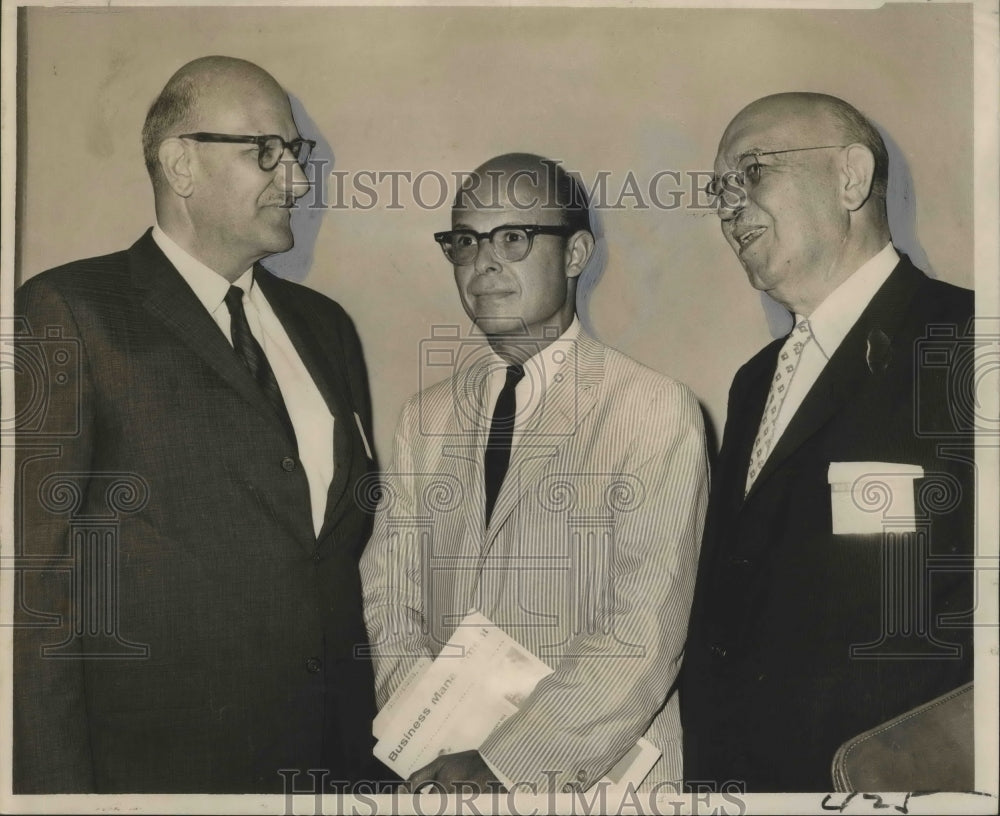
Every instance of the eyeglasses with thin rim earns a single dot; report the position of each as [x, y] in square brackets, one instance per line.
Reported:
[270, 148]
[510, 242]
[728, 191]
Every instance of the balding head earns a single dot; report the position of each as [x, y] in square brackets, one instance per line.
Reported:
[819, 119]
[526, 181]
[195, 92]
[805, 176]
[215, 193]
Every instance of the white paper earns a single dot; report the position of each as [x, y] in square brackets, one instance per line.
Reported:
[453, 704]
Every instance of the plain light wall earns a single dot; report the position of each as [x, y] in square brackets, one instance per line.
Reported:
[442, 89]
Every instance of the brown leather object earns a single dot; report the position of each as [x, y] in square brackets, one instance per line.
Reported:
[929, 748]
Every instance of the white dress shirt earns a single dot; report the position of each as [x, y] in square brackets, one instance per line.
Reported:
[540, 371]
[829, 324]
[310, 416]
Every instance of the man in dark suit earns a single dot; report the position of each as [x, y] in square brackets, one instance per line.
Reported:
[834, 588]
[189, 603]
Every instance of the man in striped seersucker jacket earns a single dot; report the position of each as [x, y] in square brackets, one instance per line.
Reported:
[553, 484]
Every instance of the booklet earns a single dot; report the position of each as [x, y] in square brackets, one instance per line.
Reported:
[452, 703]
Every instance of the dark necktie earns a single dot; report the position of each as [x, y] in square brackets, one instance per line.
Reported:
[252, 354]
[497, 458]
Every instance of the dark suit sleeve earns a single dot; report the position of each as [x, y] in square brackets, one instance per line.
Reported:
[55, 435]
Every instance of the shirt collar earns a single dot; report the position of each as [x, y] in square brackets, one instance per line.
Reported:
[208, 285]
[542, 366]
[833, 318]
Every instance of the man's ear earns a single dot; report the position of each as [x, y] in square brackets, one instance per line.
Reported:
[579, 248]
[175, 162]
[859, 173]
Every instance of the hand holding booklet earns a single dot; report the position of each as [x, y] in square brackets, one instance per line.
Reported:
[450, 704]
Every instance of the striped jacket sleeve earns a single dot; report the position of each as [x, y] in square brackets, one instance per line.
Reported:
[391, 575]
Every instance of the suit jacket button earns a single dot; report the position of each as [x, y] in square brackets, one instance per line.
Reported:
[317, 557]
[717, 650]
[313, 665]
[288, 464]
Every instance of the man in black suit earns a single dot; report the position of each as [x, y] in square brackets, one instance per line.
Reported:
[834, 587]
[189, 605]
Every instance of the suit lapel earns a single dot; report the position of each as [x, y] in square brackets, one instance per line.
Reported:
[741, 432]
[471, 417]
[850, 367]
[166, 295]
[297, 322]
[564, 406]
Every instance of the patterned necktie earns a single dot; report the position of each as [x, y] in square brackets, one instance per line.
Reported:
[788, 363]
[497, 458]
[252, 354]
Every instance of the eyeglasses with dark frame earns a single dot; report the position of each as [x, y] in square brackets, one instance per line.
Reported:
[746, 176]
[270, 148]
[510, 242]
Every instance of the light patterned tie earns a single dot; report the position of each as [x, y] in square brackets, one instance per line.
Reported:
[788, 363]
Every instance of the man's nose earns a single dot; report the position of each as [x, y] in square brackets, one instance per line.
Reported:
[486, 259]
[291, 177]
[730, 204]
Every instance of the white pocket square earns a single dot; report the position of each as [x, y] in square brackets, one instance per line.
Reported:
[872, 497]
